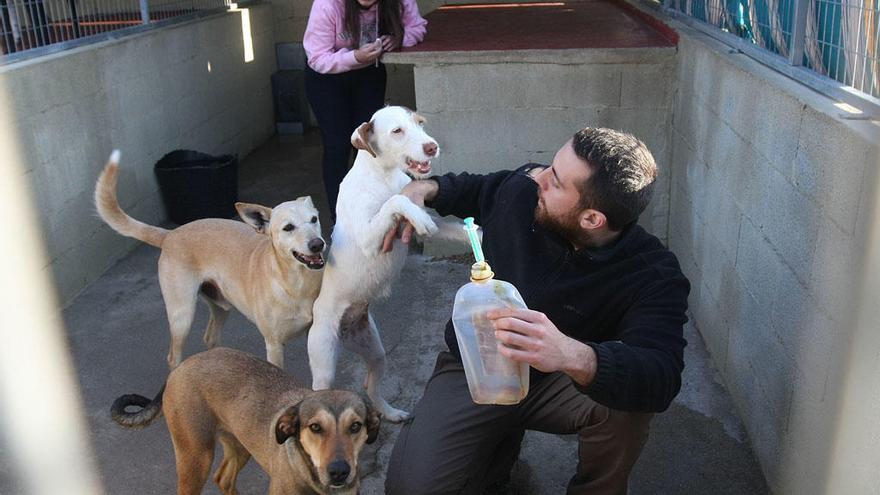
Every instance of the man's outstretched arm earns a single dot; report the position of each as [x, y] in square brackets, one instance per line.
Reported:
[461, 195]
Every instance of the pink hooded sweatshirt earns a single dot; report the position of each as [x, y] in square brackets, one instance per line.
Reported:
[329, 47]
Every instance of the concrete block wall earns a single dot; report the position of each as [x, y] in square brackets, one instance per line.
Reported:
[291, 18]
[769, 204]
[182, 86]
[489, 113]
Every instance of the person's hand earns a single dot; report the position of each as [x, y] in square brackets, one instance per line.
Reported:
[403, 230]
[418, 191]
[369, 52]
[389, 44]
[530, 337]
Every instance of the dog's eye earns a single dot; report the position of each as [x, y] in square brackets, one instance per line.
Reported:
[289, 227]
[355, 427]
[316, 428]
[397, 130]
[314, 219]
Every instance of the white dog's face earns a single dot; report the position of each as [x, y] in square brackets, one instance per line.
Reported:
[395, 136]
[293, 227]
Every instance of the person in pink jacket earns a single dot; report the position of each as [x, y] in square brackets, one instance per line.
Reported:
[344, 80]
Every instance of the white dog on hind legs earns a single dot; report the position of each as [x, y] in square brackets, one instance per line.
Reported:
[392, 145]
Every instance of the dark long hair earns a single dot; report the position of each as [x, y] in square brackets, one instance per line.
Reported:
[390, 22]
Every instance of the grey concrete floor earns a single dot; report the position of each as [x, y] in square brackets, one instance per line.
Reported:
[119, 339]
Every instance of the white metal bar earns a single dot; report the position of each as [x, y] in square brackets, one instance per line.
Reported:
[67, 15]
[876, 51]
[50, 15]
[863, 55]
[31, 29]
[837, 13]
[798, 32]
[856, 54]
[84, 11]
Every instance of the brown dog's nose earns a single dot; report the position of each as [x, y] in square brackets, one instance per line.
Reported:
[338, 471]
[430, 148]
[316, 245]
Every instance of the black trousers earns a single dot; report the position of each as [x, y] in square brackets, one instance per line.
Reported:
[452, 445]
[342, 102]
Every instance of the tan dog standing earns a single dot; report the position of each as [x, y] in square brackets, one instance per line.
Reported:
[307, 442]
[270, 271]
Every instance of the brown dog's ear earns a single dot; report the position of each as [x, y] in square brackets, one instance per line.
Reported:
[256, 216]
[372, 421]
[287, 425]
[360, 138]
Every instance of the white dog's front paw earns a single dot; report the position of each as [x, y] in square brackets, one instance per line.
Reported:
[393, 415]
[423, 224]
[321, 383]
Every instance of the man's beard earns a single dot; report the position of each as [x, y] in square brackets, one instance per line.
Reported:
[567, 226]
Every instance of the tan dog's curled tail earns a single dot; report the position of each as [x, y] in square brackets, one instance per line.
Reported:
[110, 212]
[150, 410]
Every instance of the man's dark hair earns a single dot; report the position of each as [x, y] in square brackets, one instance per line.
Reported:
[623, 174]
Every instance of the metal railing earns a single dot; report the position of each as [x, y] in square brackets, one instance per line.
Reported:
[30, 24]
[834, 38]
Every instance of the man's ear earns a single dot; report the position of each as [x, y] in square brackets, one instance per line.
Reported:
[372, 420]
[287, 425]
[591, 219]
[256, 216]
[360, 138]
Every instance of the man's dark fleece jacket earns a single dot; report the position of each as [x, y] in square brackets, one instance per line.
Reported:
[627, 301]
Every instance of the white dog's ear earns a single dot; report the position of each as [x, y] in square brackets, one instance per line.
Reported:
[257, 216]
[360, 138]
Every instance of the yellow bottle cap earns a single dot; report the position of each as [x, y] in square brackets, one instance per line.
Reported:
[481, 271]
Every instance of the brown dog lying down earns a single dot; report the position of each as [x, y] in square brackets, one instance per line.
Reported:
[308, 442]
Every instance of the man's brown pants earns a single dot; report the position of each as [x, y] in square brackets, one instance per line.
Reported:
[452, 445]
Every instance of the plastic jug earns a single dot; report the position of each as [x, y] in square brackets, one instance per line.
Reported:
[492, 378]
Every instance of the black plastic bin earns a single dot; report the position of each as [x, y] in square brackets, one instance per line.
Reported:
[196, 185]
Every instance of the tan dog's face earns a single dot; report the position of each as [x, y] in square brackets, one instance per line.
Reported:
[293, 227]
[331, 427]
[396, 137]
